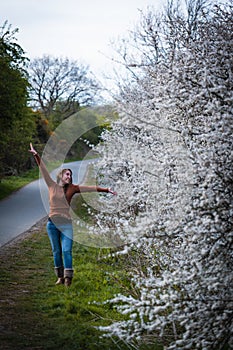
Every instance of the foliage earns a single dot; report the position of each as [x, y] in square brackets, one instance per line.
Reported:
[74, 137]
[12, 183]
[169, 156]
[61, 88]
[17, 125]
[90, 126]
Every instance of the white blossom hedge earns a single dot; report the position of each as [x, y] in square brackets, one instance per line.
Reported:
[169, 156]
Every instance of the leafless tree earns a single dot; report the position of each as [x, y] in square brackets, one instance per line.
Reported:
[60, 80]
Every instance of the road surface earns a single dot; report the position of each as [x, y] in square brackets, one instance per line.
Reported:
[24, 208]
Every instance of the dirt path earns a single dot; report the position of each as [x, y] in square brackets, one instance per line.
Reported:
[17, 288]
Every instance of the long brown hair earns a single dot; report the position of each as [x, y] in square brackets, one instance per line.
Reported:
[59, 177]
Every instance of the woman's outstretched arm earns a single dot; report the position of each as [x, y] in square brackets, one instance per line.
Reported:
[41, 166]
[96, 189]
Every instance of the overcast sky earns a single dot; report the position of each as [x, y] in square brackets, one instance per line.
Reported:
[77, 29]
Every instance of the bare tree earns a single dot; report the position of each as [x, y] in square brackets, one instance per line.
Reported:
[60, 80]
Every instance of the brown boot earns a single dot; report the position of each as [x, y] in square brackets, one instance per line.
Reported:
[68, 281]
[60, 281]
[68, 275]
[59, 272]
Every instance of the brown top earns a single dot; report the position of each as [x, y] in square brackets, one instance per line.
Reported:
[58, 200]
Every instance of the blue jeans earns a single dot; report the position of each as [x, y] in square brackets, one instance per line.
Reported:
[61, 239]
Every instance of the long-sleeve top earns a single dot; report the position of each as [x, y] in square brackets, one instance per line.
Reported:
[59, 202]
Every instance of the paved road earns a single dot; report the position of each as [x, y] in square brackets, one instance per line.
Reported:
[22, 209]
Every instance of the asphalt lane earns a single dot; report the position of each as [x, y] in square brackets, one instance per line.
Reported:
[24, 208]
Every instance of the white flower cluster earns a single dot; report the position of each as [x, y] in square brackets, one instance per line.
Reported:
[170, 158]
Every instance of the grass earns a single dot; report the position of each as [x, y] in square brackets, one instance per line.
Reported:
[36, 314]
[12, 183]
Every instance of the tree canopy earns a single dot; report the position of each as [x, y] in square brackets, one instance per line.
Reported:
[17, 126]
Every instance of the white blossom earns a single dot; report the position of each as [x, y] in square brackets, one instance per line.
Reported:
[169, 156]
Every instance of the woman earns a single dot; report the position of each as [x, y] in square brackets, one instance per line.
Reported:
[59, 225]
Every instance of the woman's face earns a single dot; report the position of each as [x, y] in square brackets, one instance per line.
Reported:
[66, 177]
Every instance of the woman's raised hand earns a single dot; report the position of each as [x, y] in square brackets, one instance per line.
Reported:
[32, 149]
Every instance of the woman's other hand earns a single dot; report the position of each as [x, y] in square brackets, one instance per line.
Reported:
[112, 192]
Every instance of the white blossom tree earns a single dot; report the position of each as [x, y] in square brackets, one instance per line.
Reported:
[169, 156]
